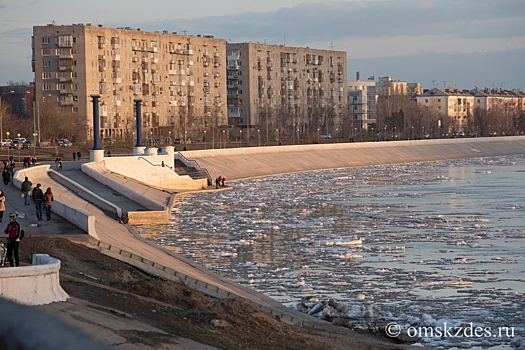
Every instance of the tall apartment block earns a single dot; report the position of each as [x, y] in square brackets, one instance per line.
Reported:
[284, 91]
[362, 99]
[181, 79]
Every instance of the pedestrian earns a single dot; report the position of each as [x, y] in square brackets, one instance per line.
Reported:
[48, 202]
[74, 156]
[34, 160]
[58, 162]
[6, 176]
[13, 240]
[223, 181]
[2, 205]
[25, 163]
[79, 155]
[38, 198]
[217, 182]
[109, 153]
[26, 190]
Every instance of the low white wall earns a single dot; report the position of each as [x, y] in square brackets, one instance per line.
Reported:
[149, 170]
[37, 284]
[97, 171]
[81, 219]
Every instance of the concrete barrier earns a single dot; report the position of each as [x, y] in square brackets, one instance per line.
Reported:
[82, 219]
[37, 284]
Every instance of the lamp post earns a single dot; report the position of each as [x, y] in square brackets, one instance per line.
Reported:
[223, 139]
[204, 139]
[240, 138]
[34, 145]
[318, 130]
[18, 146]
[2, 113]
[259, 137]
[7, 133]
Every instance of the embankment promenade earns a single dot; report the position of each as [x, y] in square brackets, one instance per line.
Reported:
[241, 163]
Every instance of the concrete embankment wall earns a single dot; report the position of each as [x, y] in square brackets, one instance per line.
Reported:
[37, 284]
[239, 163]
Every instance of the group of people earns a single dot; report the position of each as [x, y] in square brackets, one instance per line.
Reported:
[9, 170]
[77, 155]
[39, 198]
[220, 181]
[29, 161]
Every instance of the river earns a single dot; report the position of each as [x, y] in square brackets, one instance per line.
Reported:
[441, 241]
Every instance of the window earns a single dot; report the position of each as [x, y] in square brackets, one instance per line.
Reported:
[240, 92]
[426, 100]
[46, 64]
[45, 40]
[46, 75]
[439, 100]
[75, 109]
[45, 52]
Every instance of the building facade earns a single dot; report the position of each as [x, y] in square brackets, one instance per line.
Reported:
[285, 91]
[362, 100]
[180, 79]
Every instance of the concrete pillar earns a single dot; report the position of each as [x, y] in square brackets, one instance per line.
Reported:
[151, 151]
[139, 151]
[96, 155]
[170, 151]
[96, 123]
[138, 119]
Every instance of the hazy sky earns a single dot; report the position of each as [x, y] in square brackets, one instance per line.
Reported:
[457, 43]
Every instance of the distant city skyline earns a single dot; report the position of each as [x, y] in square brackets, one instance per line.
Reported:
[444, 43]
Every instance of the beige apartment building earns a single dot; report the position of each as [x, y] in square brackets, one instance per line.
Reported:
[181, 79]
[386, 86]
[278, 91]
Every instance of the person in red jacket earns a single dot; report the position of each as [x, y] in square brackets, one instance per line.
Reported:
[13, 241]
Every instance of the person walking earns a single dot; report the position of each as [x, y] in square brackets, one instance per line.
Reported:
[2, 205]
[6, 176]
[13, 240]
[223, 181]
[26, 190]
[79, 155]
[38, 198]
[74, 156]
[48, 202]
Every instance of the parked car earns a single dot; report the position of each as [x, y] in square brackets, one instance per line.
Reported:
[64, 143]
[5, 142]
[44, 143]
[326, 136]
[108, 140]
[181, 141]
[16, 144]
[28, 144]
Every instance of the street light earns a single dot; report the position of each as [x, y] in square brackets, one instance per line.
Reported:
[34, 145]
[240, 138]
[7, 133]
[259, 137]
[224, 138]
[318, 130]
[204, 139]
[2, 112]
[18, 146]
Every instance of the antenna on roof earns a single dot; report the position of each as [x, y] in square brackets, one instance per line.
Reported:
[332, 46]
[184, 31]
[444, 83]
[433, 83]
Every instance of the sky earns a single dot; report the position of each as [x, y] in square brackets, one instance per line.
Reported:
[439, 43]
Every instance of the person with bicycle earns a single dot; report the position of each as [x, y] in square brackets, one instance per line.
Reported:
[58, 162]
[13, 240]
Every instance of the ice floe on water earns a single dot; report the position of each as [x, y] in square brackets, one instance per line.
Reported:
[416, 245]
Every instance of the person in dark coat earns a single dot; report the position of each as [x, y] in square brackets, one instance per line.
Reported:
[6, 176]
[26, 190]
[38, 198]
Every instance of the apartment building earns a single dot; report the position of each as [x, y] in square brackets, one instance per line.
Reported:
[285, 91]
[362, 100]
[387, 86]
[505, 100]
[452, 103]
[180, 78]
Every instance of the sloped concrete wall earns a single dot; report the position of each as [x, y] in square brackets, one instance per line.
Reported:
[241, 163]
[37, 284]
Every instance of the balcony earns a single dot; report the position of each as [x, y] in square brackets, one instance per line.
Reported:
[66, 92]
[65, 79]
[65, 68]
[233, 67]
[68, 56]
[116, 102]
[66, 103]
[117, 80]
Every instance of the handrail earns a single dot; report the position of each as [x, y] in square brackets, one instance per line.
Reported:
[208, 175]
[161, 165]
